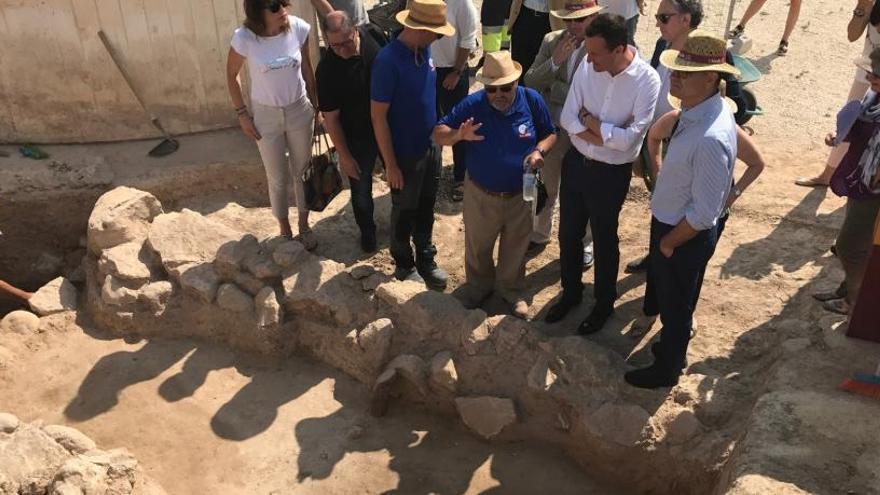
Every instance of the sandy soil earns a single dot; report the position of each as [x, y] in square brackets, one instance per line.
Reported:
[230, 422]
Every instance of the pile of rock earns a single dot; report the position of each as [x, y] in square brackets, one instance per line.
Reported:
[59, 460]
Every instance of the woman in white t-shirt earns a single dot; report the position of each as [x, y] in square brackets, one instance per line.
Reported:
[865, 17]
[283, 101]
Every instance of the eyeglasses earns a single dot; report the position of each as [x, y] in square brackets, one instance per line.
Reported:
[275, 5]
[345, 44]
[504, 89]
[664, 18]
[681, 74]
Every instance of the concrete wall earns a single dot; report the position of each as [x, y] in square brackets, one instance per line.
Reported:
[57, 83]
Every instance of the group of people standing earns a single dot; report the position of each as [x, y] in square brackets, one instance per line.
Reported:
[582, 120]
[583, 110]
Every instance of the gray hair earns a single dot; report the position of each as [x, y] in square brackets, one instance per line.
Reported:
[338, 22]
[692, 7]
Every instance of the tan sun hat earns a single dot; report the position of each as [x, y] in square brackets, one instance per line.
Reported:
[676, 103]
[871, 63]
[702, 52]
[577, 9]
[426, 15]
[499, 68]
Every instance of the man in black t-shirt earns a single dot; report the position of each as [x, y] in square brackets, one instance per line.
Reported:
[343, 77]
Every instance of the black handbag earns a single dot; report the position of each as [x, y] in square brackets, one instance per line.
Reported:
[321, 179]
[541, 198]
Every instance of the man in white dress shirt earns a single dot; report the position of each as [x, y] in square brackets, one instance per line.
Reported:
[607, 113]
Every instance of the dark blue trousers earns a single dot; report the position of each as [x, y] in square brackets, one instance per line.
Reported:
[362, 187]
[591, 192]
[650, 306]
[678, 280]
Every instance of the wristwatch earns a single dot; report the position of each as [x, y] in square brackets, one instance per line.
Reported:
[857, 12]
[541, 151]
[737, 192]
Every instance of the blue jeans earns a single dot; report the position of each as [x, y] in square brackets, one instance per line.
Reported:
[678, 280]
[362, 188]
[446, 100]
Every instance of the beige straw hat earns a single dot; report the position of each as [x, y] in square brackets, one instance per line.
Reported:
[702, 52]
[577, 9]
[499, 68]
[426, 15]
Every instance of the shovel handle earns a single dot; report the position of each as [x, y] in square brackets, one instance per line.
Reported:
[106, 42]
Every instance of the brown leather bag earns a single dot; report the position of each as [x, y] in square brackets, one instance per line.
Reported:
[321, 179]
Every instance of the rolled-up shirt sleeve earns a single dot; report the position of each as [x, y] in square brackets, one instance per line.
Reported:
[624, 138]
[569, 119]
[467, 26]
[711, 183]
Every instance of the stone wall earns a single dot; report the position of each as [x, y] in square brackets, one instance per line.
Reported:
[178, 274]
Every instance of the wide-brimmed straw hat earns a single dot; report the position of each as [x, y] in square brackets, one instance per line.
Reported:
[702, 52]
[499, 68]
[676, 103]
[870, 63]
[577, 9]
[426, 15]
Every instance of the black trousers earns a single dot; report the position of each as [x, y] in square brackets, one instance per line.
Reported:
[591, 192]
[412, 208]
[650, 306]
[678, 280]
[447, 99]
[526, 36]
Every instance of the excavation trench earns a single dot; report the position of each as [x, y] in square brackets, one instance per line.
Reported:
[564, 392]
[185, 252]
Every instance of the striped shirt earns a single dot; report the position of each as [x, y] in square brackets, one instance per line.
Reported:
[695, 177]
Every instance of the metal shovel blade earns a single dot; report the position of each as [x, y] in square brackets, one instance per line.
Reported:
[166, 147]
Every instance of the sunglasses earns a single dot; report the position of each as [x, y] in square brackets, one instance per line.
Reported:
[504, 89]
[345, 44]
[664, 18]
[576, 20]
[275, 5]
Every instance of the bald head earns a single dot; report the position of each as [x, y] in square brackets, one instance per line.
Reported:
[338, 22]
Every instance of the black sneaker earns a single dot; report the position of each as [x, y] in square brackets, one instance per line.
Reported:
[410, 274]
[368, 242]
[651, 377]
[434, 276]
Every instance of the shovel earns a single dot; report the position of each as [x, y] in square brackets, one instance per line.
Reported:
[169, 144]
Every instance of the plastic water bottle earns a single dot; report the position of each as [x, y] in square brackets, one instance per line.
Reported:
[530, 182]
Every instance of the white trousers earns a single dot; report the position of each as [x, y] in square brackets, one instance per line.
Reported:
[286, 148]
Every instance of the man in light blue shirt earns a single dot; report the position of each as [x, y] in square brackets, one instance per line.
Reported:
[688, 199]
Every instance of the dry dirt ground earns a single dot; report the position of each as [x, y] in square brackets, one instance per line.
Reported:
[203, 420]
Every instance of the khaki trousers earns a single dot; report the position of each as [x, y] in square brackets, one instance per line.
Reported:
[551, 174]
[486, 219]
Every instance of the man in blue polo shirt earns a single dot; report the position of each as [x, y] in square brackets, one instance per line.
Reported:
[502, 127]
[403, 109]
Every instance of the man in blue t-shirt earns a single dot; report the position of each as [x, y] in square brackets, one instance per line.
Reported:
[505, 129]
[403, 109]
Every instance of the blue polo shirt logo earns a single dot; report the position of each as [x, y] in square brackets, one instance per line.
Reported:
[524, 131]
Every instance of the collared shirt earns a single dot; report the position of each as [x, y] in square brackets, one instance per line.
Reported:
[663, 105]
[624, 8]
[623, 103]
[537, 5]
[344, 85]
[695, 178]
[496, 162]
[463, 16]
[410, 87]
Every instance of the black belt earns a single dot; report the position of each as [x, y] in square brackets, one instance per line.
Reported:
[493, 193]
[535, 13]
